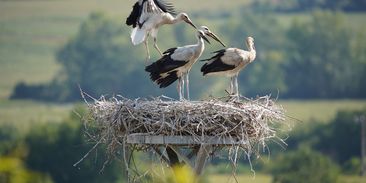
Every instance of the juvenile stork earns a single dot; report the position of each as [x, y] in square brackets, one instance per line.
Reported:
[146, 18]
[177, 62]
[230, 62]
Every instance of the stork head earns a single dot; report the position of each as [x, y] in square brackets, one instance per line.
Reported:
[201, 34]
[250, 43]
[207, 32]
[184, 17]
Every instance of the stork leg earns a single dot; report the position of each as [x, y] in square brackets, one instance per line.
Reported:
[156, 46]
[180, 88]
[231, 85]
[147, 51]
[187, 86]
[236, 87]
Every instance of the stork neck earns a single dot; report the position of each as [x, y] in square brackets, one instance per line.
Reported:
[201, 42]
[252, 52]
[251, 48]
[174, 20]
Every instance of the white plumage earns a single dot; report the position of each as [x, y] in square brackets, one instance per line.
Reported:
[146, 18]
[230, 62]
[138, 36]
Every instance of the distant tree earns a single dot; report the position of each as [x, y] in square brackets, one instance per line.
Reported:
[303, 166]
[321, 62]
[54, 148]
[338, 138]
[341, 137]
[308, 5]
[9, 139]
[102, 61]
[356, 5]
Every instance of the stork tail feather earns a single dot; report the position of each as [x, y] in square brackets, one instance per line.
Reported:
[138, 36]
[164, 82]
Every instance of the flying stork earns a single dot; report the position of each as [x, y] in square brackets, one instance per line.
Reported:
[177, 62]
[230, 62]
[146, 18]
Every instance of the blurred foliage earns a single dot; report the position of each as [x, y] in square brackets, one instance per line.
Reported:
[306, 5]
[319, 58]
[321, 63]
[54, 148]
[96, 59]
[12, 170]
[303, 166]
[352, 166]
[9, 139]
[339, 139]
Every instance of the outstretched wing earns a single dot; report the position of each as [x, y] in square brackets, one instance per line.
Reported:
[143, 10]
[165, 7]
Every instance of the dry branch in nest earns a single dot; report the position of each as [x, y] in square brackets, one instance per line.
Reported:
[247, 123]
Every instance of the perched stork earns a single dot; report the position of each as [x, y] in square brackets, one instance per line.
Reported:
[177, 62]
[230, 62]
[146, 18]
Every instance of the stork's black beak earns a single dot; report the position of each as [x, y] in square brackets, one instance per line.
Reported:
[216, 38]
[205, 38]
[188, 21]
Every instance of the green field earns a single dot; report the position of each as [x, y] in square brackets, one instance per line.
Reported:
[262, 178]
[23, 114]
[258, 178]
[319, 110]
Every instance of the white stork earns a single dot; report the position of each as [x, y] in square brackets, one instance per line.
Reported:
[177, 62]
[146, 18]
[230, 62]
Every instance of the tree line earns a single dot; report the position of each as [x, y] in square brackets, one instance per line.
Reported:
[308, 5]
[317, 58]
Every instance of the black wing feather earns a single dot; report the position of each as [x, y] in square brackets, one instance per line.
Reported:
[134, 16]
[165, 65]
[164, 82]
[165, 7]
[217, 65]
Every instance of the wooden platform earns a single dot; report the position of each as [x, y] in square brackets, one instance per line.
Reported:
[180, 140]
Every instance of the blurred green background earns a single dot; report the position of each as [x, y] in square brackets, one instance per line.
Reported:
[311, 55]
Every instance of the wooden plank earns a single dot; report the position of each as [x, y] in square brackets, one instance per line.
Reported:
[179, 140]
[202, 157]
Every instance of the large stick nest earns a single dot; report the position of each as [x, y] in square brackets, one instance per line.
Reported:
[249, 122]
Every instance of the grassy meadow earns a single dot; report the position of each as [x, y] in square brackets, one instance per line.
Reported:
[261, 178]
[32, 31]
